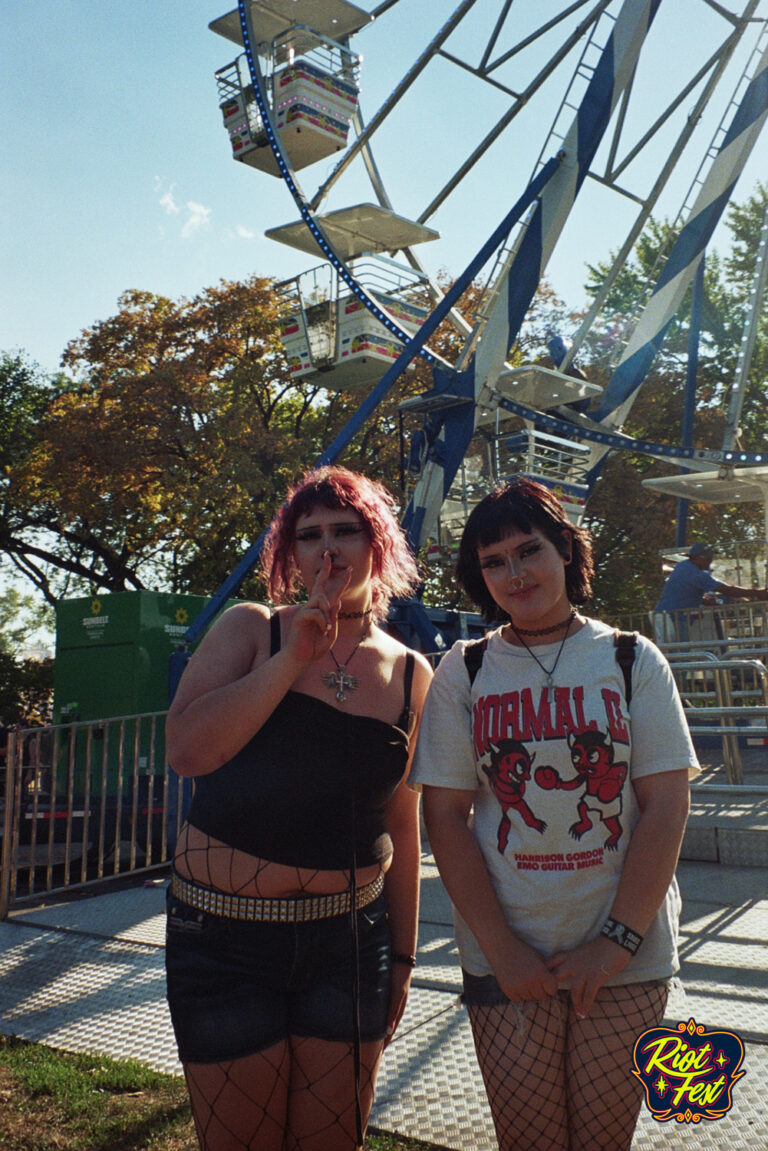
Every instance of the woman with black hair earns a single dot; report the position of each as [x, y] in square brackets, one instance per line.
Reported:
[555, 811]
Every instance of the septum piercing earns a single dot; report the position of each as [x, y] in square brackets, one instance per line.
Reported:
[517, 583]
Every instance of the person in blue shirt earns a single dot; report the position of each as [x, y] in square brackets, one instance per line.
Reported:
[689, 585]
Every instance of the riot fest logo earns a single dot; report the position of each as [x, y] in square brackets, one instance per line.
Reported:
[688, 1073]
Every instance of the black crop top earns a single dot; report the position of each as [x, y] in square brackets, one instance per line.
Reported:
[311, 787]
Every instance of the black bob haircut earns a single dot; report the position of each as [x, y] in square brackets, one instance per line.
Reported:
[522, 506]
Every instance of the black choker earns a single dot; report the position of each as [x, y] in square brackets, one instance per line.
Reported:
[547, 630]
[354, 614]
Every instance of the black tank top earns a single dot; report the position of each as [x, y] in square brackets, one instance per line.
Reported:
[311, 787]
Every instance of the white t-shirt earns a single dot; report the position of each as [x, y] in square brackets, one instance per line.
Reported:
[551, 768]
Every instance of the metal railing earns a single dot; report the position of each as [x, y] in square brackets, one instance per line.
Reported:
[724, 628]
[718, 655]
[83, 802]
[726, 698]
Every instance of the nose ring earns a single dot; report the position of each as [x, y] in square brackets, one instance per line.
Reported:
[517, 583]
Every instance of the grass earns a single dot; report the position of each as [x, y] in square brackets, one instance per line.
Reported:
[56, 1101]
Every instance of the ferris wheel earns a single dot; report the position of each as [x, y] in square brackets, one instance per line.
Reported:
[535, 111]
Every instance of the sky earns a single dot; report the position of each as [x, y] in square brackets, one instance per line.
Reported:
[118, 172]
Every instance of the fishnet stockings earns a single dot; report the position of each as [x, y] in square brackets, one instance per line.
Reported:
[558, 1083]
[217, 865]
[296, 1096]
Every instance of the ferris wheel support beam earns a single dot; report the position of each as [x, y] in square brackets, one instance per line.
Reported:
[433, 321]
[749, 336]
[723, 57]
[722, 11]
[689, 401]
[520, 278]
[521, 100]
[374, 175]
[496, 32]
[534, 36]
[392, 100]
[687, 251]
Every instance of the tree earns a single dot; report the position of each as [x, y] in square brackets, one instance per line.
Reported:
[26, 683]
[22, 618]
[26, 691]
[25, 395]
[166, 452]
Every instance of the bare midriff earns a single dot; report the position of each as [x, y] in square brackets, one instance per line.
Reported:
[202, 859]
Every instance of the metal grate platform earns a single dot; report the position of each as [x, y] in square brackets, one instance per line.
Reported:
[89, 975]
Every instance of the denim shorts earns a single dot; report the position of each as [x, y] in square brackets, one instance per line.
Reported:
[481, 991]
[235, 988]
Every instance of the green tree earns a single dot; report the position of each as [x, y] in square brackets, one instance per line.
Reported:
[25, 396]
[22, 619]
[26, 683]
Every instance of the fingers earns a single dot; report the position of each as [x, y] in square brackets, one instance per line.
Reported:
[318, 599]
[583, 996]
[319, 587]
[549, 983]
[344, 586]
[319, 615]
[321, 579]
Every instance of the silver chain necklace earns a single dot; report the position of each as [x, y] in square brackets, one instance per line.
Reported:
[550, 680]
[339, 679]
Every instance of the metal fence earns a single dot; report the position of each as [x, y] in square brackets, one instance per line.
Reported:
[735, 627]
[85, 801]
[718, 656]
[725, 699]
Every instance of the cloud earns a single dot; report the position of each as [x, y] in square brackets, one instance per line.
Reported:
[196, 217]
[244, 233]
[197, 220]
[166, 201]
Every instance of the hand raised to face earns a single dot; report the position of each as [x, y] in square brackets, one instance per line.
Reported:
[313, 627]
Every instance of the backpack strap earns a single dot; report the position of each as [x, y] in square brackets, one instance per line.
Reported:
[473, 657]
[625, 642]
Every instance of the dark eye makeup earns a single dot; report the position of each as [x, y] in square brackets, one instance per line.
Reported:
[308, 535]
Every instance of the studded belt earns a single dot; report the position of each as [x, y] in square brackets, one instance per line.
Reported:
[300, 910]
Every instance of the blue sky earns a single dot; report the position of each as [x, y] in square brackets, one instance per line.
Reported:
[118, 174]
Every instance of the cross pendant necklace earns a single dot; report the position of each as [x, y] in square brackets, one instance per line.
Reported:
[339, 679]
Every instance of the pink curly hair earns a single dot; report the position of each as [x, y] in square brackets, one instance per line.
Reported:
[394, 567]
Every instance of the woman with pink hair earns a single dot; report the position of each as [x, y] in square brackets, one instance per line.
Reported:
[292, 911]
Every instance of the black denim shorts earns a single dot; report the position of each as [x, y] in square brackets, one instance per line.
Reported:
[235, 988]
